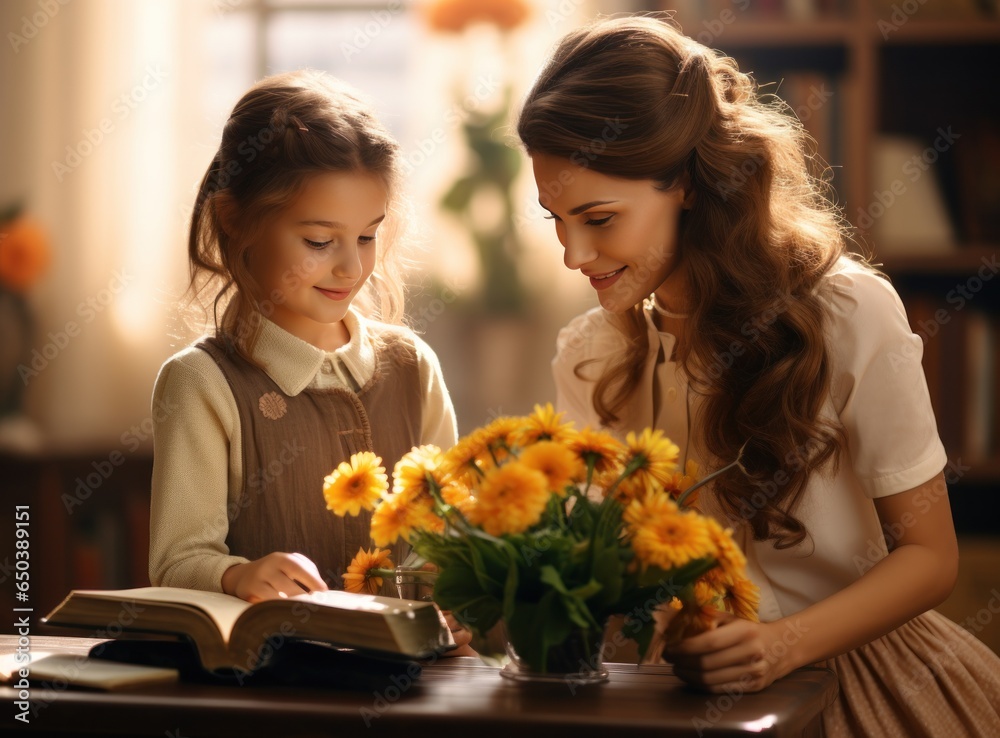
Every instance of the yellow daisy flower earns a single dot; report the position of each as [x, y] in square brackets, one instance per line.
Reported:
[679, 482]
[461, 462]
[649, 459]
[359, 576]
[500, 433]
[397, 518]
[355, 485]
[598, 448]
[510, 499]
[742, 599]
[458, 496]
[558, 463]
[544, 424]
[416, 471]
[730, 557]
[663, 535]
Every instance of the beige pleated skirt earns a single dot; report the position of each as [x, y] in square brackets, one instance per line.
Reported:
[929, 678]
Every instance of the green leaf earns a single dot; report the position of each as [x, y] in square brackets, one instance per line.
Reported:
[460, 194]
[457, 589]
[644, 636]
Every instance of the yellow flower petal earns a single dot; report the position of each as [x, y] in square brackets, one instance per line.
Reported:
[663, 535]
[359, 577]
[557, 462]
[510, 499]
[544, 424]
[651, 456]
[355, 485]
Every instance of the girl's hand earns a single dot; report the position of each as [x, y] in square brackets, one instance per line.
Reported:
[735, 655]
[461, 634]
[273, 576]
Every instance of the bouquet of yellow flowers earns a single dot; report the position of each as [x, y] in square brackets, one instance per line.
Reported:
[551, 530]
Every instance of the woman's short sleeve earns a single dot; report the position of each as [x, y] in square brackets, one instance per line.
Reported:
[878, 385]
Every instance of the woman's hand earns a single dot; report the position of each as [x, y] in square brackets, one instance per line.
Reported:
[461, 635]
[735, 655]
[272, 576]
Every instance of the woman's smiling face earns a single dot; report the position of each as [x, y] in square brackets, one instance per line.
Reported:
[620, 233]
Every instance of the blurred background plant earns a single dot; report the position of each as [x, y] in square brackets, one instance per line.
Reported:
[24, 258]
[481, 198]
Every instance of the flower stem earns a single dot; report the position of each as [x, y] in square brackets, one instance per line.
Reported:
[714, 475]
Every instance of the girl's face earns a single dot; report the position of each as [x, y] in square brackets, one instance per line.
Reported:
[316, 255]
[620, 233]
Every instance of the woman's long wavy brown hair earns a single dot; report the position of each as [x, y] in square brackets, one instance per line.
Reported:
[759, 234]
[285, 129]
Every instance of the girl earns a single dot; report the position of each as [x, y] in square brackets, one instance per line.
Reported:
[730, 315]
[300, 372]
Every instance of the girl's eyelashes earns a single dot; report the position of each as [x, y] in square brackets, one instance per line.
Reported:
[589, 221]
[317, 244]
[365, 240]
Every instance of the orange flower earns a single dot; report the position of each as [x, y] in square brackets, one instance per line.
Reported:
[679, 482]
[650, 458]
[598, 448]
[359, 576]
[355, 485]
[544, 424]
[559, 465]
[510, 499]
[663, 535]
[24, 253]
[454, 16]
[730, 557]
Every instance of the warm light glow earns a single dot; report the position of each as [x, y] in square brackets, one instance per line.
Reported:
[148, 229]
[758, 726]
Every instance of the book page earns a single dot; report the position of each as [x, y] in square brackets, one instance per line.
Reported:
[223, 609]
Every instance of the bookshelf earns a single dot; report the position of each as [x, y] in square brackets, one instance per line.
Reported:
[91, 536]
[895, 81]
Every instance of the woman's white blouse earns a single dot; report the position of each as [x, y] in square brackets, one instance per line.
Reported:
[878, 393]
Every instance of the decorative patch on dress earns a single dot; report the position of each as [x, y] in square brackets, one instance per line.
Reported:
[272, 405]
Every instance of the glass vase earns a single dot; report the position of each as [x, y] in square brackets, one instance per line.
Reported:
[415, 583]
[577, 660]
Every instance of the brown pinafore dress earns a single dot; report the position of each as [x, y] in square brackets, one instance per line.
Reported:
[290, 443]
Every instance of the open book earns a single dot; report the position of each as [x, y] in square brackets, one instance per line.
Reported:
[232, 634]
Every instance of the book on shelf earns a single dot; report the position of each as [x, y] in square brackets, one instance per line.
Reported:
[232, 635]
[906, 213]
[979, 419]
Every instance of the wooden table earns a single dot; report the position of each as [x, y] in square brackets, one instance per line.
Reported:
[453, 696]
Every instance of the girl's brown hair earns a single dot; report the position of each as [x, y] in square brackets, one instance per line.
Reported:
[634, 98]
[285, 129]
